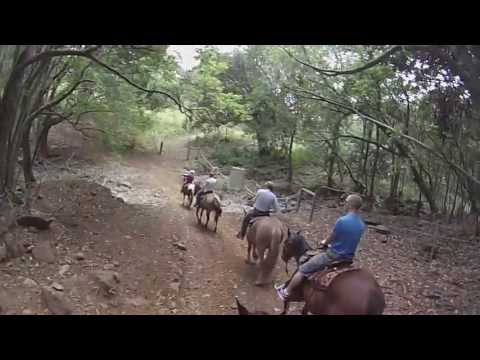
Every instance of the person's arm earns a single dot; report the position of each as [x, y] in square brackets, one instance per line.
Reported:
[275, 206]
[331, 236]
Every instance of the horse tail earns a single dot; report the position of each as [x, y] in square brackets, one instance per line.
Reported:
[273, 252]
[218, 206]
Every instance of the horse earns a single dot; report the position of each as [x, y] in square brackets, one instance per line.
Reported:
[265, 234]
[209, 202]
[242, 310]
[352, 292]
[189, 191]
[297, 247]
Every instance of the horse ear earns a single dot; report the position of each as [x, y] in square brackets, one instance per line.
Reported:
[242, 310]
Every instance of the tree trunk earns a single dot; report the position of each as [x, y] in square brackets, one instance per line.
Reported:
[43, 149]
[367, 150]
[374, 169]
[395, 180]
[290, 160]
[445, 198]
[454, 205]
[27, 157]
[424, 188]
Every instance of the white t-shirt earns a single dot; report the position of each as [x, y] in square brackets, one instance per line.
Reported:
[266, 200]
[210, 184]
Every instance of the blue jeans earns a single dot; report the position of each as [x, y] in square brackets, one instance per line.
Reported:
[319, 262]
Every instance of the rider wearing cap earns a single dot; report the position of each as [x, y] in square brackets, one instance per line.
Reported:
[265, 200]
[188, 178]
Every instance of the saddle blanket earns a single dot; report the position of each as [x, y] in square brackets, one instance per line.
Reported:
[322, 279]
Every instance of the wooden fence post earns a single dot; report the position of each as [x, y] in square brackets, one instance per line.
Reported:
[299, 199]
[314, 202]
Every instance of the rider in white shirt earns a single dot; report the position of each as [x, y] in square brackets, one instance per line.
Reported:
[207, 189]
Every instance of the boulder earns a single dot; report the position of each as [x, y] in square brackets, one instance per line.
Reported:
[55, 302]
[44, 252]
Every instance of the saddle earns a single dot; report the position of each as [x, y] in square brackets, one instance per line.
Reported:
[322, 279]
[256, 218]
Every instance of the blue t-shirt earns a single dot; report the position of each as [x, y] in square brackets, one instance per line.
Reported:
[347, 234]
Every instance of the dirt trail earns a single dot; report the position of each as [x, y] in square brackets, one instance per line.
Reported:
[214, 268]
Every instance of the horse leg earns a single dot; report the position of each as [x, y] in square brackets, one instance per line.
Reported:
[199, 218]
[216, 221]
[249, 249]
[208, 219]
[255, 255]
[286, 305]
[305, 309]
[261, 259]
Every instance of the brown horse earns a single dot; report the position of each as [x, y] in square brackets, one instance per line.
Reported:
[353, 292]
[242, 310]
[210, 202]
[188, 191]
[266, 234]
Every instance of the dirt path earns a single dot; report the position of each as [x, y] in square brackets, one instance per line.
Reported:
[214, 271]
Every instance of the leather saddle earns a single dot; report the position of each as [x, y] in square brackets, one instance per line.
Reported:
[256, 218]
[322, 279]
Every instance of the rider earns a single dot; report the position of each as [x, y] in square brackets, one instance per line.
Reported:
[207, 189]
[265, 200]
[344, 240]
[188, 178]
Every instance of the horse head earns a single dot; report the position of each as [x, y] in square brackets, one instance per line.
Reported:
[295, 246]
[242, 310]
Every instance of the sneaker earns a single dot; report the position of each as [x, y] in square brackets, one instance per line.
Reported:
[281, 292]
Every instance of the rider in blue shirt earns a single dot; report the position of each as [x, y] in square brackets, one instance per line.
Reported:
[344, 240]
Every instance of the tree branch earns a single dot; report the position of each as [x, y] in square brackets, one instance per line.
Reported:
[397, 132]
[57, 100]
[120, 75]
[364, 67]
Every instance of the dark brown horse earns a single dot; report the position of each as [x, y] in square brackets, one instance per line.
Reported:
[209, 203]
[265, 236]
[353, 292]
[242, 310]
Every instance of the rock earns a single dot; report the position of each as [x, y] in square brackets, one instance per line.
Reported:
[128, 237]
[3, 252]
[107, 281]
[30, 283]
[79, 256]
[125, 184]
[108, 266]
[175, 286]
[55, 302]
[381, 229]
[64, 269]
[57, 286]
[137, 301]
[180, 246]
[44, 252]
[116, 264]
[27, 312]
[33, 229]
